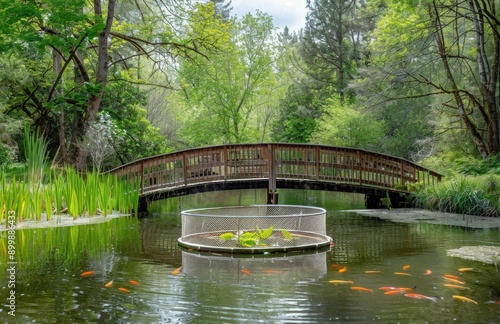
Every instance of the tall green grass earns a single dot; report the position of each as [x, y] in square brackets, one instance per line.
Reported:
[69, 191]
[464, 195]
[36, 154]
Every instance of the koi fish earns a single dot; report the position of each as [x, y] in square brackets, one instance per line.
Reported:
[419, 296]
[450, 276]
[463, 298]
[362, 289]
[371, 271]
[344, 282]
[177, 271]
[343, 269]
[402, 274]
[385, 288]
[336, 266]
[133, 282]
[466, 269]
[428, 272]
[406, 267]
[245, 271]
[123, 290]
[456, 286]
[87, 273]
[454, 281]
[109, 284]
[493, 302]
[395, 292]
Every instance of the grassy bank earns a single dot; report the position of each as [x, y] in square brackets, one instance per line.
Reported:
[472, 195]
[66, 191]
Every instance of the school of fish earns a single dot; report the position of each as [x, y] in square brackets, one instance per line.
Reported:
[455, 282]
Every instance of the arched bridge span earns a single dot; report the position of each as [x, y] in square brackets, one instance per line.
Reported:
[277, 165]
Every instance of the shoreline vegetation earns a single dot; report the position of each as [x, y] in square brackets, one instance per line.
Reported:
[66, 194]
[48, 191]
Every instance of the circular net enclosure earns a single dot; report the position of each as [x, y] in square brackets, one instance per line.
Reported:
[254, 229]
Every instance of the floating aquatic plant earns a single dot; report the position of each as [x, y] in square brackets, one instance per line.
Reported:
[286, 234]
[227, 236]
[264, 234]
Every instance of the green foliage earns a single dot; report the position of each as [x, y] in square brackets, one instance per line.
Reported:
[228, 94]
[344, 125]
[286, 234]
[68, 190]
[36, 154]
[132, 135]
[298, 113]
[463, 195]
[227, 236]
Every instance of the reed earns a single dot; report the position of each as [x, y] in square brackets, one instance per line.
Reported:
[36, 154]
[36, 199]
[48, 194]
[105, 197]
[58, 188]
[74, 193]
[462, 195]
[92, 192]
[68, 190]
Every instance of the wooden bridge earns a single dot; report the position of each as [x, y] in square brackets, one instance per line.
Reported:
[277, 165]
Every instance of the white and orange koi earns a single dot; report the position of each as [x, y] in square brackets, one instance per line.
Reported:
[419, 296]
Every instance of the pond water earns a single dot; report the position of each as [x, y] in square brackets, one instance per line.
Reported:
[155, 281]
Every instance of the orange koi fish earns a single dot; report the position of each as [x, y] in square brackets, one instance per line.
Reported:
[395, 292]
[87, 273]
[177, 271]
[456, 286]
[133, 282]
[454, 281]
[385, 288]
[245, 271]
[419, 296]
[336, 266]
[371, 271]
[343, 269]
[109, 284]
[341, 282]
[123, 290]
[402, 274]
[465, 269]
[362, 289]
[406, 267]
[463, 298]
[428, 272]
[450, 276]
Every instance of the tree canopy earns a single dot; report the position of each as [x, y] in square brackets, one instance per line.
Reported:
[109, 82]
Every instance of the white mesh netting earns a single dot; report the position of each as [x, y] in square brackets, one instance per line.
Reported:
[254, 229]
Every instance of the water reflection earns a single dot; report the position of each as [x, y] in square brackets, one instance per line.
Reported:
[275, 269]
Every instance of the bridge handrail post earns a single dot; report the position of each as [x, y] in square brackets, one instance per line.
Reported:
[184, 167]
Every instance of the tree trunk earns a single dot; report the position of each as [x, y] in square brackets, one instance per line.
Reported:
[442, 51]
[94, 102]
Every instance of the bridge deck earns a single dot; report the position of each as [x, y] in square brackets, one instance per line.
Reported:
[272, 166]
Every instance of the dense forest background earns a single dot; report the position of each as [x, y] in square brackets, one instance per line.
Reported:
[108, 82]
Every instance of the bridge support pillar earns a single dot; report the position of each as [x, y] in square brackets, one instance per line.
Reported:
[143, 207]
[272, 197]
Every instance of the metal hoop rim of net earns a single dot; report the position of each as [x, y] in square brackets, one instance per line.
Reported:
[203, 212]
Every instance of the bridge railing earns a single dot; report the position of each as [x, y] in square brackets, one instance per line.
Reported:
[276, 161]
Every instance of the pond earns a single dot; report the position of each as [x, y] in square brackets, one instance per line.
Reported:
[135, 272]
